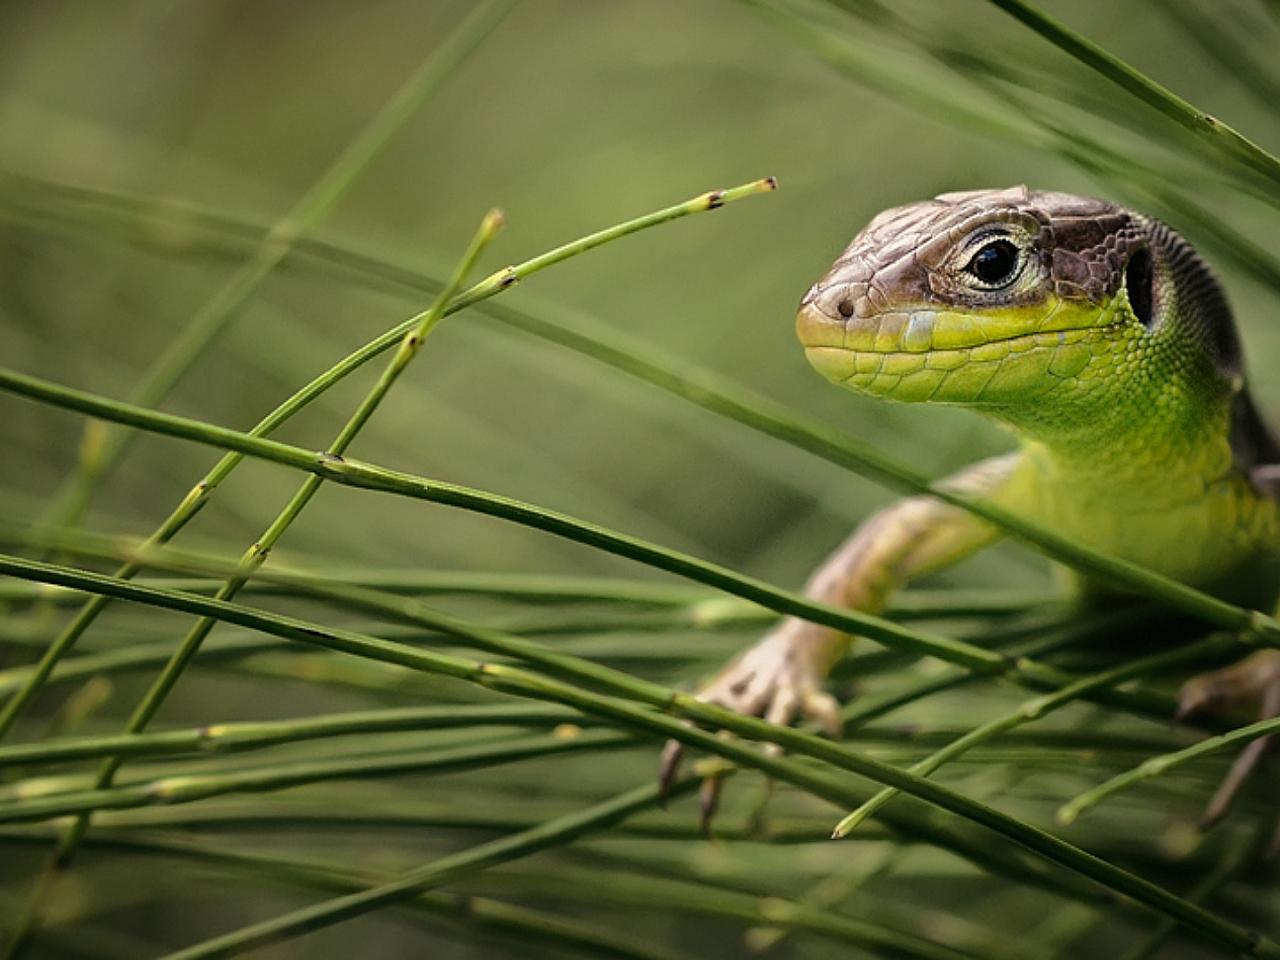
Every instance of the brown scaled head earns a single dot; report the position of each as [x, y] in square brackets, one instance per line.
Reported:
[979, 296]
[980, 248]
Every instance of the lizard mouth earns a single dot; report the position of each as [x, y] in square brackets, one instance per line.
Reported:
[941, 355]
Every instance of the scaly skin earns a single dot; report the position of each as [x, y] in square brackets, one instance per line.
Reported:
[1105, 343]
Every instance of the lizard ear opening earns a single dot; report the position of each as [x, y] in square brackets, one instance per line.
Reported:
[1138, 279]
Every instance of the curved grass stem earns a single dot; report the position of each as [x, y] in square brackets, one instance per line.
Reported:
[1220, 136]
[191, 788]
[1156, 766]
[256, 735]
[1032, 710]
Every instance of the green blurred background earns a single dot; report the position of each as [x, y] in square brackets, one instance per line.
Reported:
[571, 116]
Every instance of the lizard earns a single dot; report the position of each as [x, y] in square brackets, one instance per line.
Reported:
[1104, 341]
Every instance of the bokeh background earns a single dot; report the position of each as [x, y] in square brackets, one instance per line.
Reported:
[570, 116]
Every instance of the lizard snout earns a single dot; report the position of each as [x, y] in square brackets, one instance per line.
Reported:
[822, 330]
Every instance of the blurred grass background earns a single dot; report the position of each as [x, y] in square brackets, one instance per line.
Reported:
[570, 116]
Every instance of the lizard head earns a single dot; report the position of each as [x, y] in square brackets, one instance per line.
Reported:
[1026, 304]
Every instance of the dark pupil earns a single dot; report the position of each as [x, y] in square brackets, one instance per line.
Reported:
[995, 262]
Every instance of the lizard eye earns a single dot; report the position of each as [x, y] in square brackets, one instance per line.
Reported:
[995, 264]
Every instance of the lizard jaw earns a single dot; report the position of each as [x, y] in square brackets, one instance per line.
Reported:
[926, 354]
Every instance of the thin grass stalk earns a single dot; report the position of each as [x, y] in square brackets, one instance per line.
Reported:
[1009, 864]
[909, 827]
[257, 814]
[102, 450]
[516, 587]
[254, 736]
[248, 735]
[519, 682]
[832, 891]
[199, 495]
[1220, 136]
[190, 788]
[669, 894]
[1157, 766]
[1000, 75]
[900, 85]
[1030, 711]
[245, 654]
[1046, 639]
[953, 54]
[196, 781]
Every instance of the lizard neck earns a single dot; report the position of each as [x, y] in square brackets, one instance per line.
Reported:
[1141, 448]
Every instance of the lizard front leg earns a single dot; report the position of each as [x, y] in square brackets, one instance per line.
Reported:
[783, 674]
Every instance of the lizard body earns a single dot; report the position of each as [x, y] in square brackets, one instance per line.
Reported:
[1105, 343]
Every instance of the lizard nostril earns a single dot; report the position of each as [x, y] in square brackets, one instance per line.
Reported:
[846, 307]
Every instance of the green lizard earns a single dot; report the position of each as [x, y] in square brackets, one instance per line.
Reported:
[1105, 342]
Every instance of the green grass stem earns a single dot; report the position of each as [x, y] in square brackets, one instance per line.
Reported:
[247, 735]
[189, 788]
[1030, 711]
[1157, 766]
[1220, 136]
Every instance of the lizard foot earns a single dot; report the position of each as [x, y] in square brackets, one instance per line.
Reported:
[1254, 680]
[778, 679]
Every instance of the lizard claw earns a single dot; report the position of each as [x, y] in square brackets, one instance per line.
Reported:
[709, 801]
[668, 767]
[778, 679]
[1255, 679]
